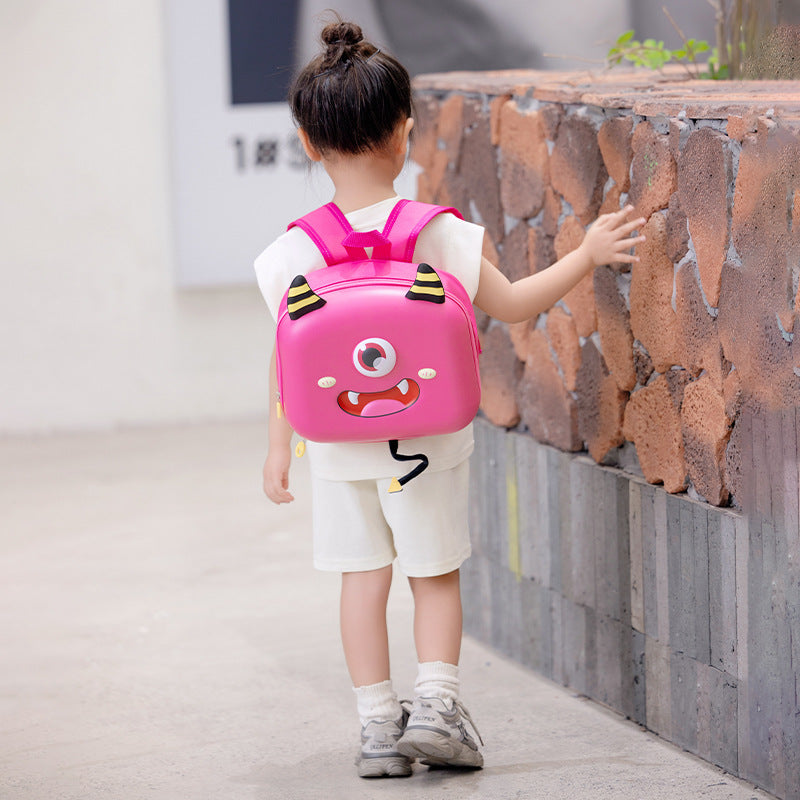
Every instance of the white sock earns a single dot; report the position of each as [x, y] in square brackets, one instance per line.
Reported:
[438, 679]
[377, 701]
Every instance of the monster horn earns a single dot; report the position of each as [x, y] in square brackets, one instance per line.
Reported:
[427, 286]
[302, 299]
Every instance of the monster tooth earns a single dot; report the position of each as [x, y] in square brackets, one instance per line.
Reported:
[403, 386]
[353, 397]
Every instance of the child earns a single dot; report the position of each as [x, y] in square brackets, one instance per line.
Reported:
[353, 107]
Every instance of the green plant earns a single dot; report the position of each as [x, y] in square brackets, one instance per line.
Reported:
[741, 29]
[655, 55]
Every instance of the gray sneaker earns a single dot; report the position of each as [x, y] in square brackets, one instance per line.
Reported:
[379, 757]
[435, 733]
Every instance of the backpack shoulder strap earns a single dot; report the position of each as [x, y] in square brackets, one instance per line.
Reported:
[328, 227]
[330, 231]
[405, 224]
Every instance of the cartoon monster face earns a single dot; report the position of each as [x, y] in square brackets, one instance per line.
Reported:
[376, 360]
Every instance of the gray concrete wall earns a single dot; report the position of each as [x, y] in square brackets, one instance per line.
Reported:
[682, 616]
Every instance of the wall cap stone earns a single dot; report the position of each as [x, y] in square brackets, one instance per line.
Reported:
[643, 92]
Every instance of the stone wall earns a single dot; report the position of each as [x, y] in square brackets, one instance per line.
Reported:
[635, 505]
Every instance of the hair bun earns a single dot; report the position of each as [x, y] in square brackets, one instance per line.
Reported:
[341, 34]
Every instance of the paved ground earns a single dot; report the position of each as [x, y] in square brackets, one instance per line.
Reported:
[163, 636]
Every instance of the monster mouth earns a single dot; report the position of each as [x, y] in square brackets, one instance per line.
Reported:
[380, 404]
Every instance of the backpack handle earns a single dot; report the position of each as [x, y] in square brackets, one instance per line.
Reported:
[335, 238]
[356, 240]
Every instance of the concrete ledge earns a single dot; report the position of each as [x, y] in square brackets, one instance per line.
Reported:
[654, 604]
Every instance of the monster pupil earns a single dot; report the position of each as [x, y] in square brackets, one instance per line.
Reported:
[371, 355]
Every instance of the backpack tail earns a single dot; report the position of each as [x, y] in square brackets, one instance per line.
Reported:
[397, 484]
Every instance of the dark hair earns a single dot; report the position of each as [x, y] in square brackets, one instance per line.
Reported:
[351, 97]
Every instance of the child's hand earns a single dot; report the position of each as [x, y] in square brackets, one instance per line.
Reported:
[608, 239]
[276, 475]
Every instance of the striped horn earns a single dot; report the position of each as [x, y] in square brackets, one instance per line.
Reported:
[301, 299]
[427, 286]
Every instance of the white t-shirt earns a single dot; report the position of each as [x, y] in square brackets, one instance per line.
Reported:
[447, 242]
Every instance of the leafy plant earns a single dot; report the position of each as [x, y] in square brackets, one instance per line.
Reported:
[741, 27]
[655, 55]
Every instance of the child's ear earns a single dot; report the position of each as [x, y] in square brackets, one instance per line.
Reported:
[403, 132]
[311, 151]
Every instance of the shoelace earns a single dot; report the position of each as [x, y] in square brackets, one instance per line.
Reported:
[464, 713]
[407, 705]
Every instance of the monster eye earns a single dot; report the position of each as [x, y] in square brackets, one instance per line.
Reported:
[374, 357]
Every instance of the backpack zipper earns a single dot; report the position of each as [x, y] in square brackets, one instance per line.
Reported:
[347, 283]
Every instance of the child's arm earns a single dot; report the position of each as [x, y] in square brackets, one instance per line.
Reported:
[279, 455]
[607, 240]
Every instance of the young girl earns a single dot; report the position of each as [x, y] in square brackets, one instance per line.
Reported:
[353, 108]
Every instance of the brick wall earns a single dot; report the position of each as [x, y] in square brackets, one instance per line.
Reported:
[635, 503]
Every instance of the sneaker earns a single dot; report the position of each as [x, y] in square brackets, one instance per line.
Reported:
[435, 733]
[379, 757]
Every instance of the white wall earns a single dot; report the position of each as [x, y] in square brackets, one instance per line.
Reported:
[93, 332]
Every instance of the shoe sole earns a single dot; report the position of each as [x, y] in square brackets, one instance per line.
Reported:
[438, 750]
[389, 767]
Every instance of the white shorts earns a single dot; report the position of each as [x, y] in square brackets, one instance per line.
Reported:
[359, 526]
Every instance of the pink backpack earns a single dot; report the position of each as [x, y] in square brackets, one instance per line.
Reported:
[376, 349]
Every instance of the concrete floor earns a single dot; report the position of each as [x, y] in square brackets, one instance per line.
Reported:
[164, 636]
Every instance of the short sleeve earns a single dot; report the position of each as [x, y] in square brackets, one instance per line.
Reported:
[456, 246]
[291, 254]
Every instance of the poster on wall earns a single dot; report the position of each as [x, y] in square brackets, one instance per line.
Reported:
[239, 175]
